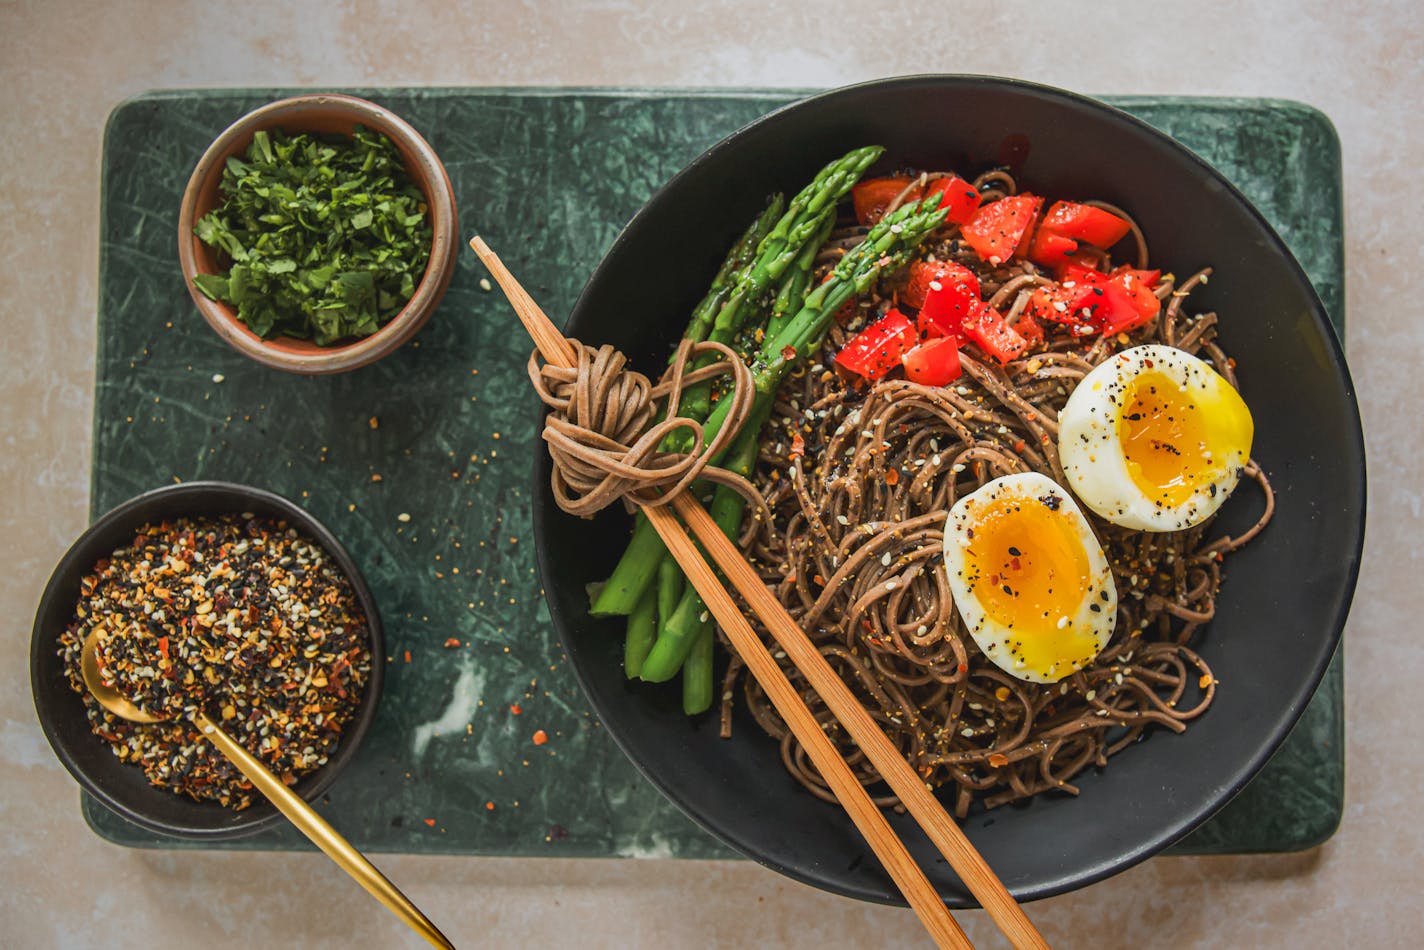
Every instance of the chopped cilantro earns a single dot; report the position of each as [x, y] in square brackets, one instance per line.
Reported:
[326, 237]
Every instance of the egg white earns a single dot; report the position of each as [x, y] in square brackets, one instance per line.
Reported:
[1091, 450]
[1095, 614]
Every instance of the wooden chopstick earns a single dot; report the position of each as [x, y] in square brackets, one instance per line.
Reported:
[894, 857]
[552, 345]
[942, 830]
[927, 811]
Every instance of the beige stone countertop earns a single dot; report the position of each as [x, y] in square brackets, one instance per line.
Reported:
[64, 64]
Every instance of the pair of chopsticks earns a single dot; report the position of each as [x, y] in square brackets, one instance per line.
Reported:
[917, 798]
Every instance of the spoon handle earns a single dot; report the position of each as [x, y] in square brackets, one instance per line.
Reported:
[321, 834]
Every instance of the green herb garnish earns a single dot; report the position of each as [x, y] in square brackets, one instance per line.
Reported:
[327, 237]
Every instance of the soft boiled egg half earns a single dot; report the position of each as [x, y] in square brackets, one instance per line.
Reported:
[1154, 439]
[1028, 577]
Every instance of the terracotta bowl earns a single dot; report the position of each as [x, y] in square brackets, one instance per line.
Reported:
[327, 114]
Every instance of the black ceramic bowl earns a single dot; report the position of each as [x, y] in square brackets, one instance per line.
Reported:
[89, 759]
[1284, 599]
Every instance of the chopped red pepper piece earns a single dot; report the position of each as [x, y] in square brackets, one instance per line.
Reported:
[877, 349]
[1066, 225]
[947, 306]
[1050, 249]
[1109, 303]
[987, 328]
[1131, 302]
[1085, 223]
[933, 363]
[923, 273]
[997, 229]
[1083, 260]
[1029, 328]
[872, 196]
[958, 195]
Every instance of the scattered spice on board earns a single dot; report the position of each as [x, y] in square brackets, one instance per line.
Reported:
[241, 615]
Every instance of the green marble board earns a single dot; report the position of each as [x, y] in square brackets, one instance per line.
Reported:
[549, 177]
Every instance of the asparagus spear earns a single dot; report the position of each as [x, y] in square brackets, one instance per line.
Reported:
[642, 630]
[792, 293]
[742, 255]
[697, 673]
[886, 248]
[810, 214]
[689, 617]
[631, 578]
[680, 627]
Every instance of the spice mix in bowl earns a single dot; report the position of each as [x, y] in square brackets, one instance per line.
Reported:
[216, 598]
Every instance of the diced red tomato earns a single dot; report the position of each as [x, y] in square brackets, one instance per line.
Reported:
[922, 274]
[933, 363]
[997, 229]
[1085, 223]
[987, 328]
[947, 305]
[877, 349]
[872, 196]
[958, 195]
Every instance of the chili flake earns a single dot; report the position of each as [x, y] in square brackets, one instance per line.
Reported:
[541, 737]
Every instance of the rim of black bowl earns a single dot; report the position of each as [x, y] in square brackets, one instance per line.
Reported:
[53, 700]
[1170, 832]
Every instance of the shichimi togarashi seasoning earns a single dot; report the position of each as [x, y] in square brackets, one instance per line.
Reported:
[240, 615]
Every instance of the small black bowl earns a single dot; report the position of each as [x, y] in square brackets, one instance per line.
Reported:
[124, 788]
[1284, 598]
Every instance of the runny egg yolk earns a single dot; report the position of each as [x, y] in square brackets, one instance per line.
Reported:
[1173, 440]
[1026, 565]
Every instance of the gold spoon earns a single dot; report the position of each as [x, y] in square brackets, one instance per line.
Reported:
[288, 802]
